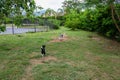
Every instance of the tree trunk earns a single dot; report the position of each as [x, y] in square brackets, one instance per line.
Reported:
[116, 13]
[112, 11]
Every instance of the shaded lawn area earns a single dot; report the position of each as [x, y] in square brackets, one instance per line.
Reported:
[82, 56]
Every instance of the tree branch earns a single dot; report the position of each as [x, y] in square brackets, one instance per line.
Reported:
[112, 11]
[116, 13]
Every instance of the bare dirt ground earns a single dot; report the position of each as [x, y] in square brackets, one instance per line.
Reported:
[65, 38]
[34, 62]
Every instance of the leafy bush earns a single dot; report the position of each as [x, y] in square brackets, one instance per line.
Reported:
[72, 20]
[2, 28]
[41, 22]
[61, 19]
[98, 20]
[73, 24]
[18, 20]
[53, 23]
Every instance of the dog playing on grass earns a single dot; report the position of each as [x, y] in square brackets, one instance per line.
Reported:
[61, 37]
[43, 52]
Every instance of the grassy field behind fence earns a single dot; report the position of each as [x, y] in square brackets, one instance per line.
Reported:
[81, 56]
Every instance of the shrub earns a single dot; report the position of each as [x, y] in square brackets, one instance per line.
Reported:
[53, 23]
[2, 28]
[98, 20]
[73, 24]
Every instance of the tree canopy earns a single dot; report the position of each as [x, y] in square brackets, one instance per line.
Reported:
[101, 16]
[11, 8]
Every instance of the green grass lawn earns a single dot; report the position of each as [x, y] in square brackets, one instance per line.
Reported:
[82, 56]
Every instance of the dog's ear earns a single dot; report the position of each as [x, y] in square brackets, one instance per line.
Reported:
[43, 45]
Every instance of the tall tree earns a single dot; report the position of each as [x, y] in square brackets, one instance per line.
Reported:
[109, 3]
[15, 7]
[60, 12]
[38, 8]
[70, 5]
[50, 12]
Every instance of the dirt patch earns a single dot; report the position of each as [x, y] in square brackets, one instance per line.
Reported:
[28, 73]
[92, 57]
[16, 48]
[65, 38]
[115, 60]
[112, 45]
[93, 37]
[96, 38]
[71, 63]
[2, 65]
[42, 60]
[33, 63]
[49, 58]
[36, 61]
[33, 55]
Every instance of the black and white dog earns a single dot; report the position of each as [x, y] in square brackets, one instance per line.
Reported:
[43, 52]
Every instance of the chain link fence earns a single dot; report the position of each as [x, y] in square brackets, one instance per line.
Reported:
[26, 28]
[29, 26]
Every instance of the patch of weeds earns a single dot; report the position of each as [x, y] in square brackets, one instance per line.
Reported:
[19, 35]
[36, 57]
[90, 36]
[31, 32]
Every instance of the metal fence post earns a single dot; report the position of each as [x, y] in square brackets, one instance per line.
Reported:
[13, 29]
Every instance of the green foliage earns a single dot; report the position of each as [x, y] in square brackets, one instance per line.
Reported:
[69, 5]
[62, 20]
[53, 23]
[98, 20]
[72, 20]
[93, 15]
[72, 24]
[18, 20]
[13, 8]
[2, 28]
[41, 22]
[79, 57]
